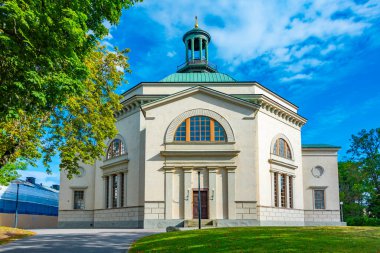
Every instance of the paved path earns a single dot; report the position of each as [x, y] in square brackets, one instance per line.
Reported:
[77, 241]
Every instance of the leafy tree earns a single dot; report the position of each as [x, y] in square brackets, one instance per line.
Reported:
[10, 172]
[365, 151]
[43, 44]
[59, 84]
[77, 128]
[351, 189]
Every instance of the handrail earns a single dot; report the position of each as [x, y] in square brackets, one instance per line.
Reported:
[197, 62]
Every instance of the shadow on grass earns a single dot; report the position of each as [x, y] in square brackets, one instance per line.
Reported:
[265, 239]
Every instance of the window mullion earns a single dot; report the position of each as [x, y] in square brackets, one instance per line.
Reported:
[188, 129]
[212, 130]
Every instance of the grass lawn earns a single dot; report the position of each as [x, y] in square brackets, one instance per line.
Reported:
[8, 234]
[264, 239]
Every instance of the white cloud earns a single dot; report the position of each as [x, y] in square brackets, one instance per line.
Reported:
[41, 177]
[171, 54]
[296, 77]
[277, 31]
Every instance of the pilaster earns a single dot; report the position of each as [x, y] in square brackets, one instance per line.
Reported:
[187, 172]
[213, 195]
[168, 193]
[231, 193]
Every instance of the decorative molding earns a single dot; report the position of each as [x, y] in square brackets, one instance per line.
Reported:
[200, 153]
[283, 136]
[169, 137]
[317, 187]
[78, 187]
[283, 164]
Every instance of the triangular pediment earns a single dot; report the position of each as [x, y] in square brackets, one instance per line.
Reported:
[199, 90]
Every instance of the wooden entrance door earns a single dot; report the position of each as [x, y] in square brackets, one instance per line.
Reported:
[204, 204]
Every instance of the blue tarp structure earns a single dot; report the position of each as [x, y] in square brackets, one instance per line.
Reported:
[32, 199]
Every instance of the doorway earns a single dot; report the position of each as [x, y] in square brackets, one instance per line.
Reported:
[204, 203]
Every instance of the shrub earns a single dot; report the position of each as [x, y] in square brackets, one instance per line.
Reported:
[363, 221]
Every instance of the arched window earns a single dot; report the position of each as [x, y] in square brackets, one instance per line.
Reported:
[115, 149]
[200, 128]
[281, 148]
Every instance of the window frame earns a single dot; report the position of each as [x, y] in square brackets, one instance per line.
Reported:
[324, 199]
[75, 206]
[121, 149]
[208, 133]
[287, 150]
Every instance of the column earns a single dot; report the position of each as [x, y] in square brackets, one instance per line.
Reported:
[119, 193]
[212, 191]
[188, 192]
[200, 49]
[110, 191]
[105, 192]
[206, 50]
[192, 49]
[125, 189]
[231, 193]
[187, 50]
[168, 193]
[272, 187]
[279, 189]
[287, 202]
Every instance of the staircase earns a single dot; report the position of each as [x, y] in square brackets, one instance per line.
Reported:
[204, 223]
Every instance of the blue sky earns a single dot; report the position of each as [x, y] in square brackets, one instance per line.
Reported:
[323, 56]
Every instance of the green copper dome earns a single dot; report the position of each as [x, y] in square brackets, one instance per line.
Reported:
[193, 77]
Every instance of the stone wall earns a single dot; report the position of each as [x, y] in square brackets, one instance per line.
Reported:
[76, 218]
[124, 217]
[322, 217]
[246, 210]
[270, 216]
[154, 210]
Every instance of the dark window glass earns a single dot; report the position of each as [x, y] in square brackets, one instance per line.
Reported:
[319, 199]
[115, 149]
[78, 199]
[199, 129]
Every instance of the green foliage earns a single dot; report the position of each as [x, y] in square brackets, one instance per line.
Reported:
[264, 239]
[365, 152]
[43, 45]
[10, 172]
[59, 83]
[78, 128]
[363, 221]
[351, 189]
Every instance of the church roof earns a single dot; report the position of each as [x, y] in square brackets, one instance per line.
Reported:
[198, 78]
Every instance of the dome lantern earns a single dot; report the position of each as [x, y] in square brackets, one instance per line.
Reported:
[196, 45]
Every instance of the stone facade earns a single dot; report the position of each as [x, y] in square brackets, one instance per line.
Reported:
[246, 210]
[244, 160]
[130, 217]
[322, 217]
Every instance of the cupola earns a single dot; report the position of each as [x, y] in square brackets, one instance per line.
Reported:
[196, 47]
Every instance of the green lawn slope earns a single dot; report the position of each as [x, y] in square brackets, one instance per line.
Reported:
[264, 239]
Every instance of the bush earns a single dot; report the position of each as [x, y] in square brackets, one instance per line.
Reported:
[363, 221]
[172, 229]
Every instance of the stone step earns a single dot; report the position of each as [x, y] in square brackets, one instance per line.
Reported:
[204, 223]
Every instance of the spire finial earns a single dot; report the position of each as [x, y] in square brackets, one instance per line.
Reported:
[196, 22]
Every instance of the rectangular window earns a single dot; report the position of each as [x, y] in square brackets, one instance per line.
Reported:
[291, 192]
[114, 190]
[107, 190]
[78, 199]
[283, 190]
[319, 199]
[275, 186]
[122, 190]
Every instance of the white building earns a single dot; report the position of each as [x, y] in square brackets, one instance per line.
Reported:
[243, 140]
